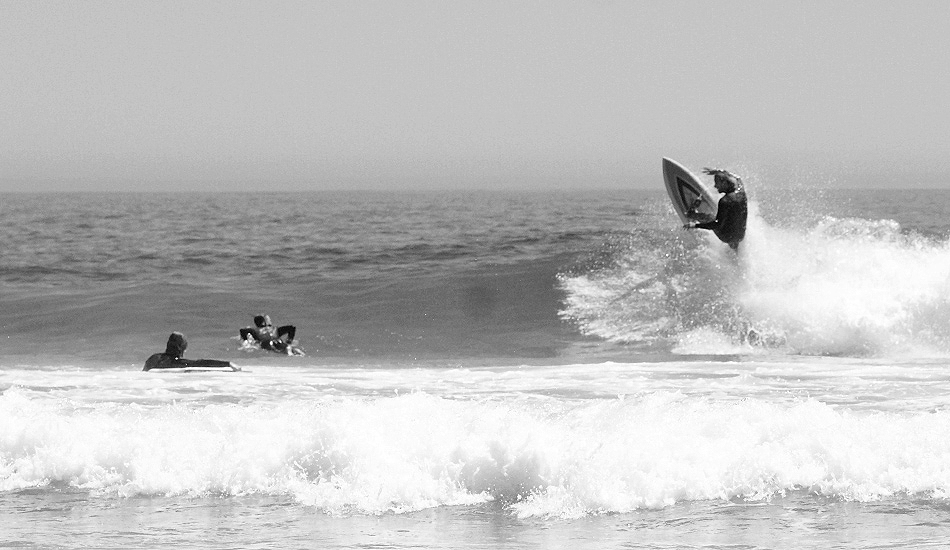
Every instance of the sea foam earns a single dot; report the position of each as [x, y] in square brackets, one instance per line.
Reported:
[847, 286]
[541, 457]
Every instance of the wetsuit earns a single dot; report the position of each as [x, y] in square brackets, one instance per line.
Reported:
[730, 221]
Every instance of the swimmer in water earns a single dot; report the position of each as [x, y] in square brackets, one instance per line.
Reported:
[272, 338]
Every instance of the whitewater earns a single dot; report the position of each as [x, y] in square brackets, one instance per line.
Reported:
[482, 370]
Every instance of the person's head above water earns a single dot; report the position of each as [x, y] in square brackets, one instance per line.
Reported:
[262, 320]
[176, 345]
[725, 181]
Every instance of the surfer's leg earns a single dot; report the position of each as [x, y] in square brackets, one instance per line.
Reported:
[289, 330]
[279, 345]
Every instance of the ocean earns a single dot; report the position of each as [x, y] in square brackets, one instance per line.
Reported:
[483, 370]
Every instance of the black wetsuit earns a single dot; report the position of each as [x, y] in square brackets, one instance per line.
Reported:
[731, 217]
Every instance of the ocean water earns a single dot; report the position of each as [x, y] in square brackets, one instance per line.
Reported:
[482, 370]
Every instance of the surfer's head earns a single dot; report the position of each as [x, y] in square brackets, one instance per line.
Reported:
[176, 345]
[262, 321]
[725, 181]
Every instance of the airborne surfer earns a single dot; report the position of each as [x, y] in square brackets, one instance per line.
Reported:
[732, 212]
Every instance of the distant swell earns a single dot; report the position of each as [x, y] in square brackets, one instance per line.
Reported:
[485, 311]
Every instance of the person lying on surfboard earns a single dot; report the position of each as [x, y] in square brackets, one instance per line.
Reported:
[172, 358]
[733, 210]
[278, 339]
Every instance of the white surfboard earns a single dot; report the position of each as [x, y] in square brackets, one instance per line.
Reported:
[230, 368]
[690, 198]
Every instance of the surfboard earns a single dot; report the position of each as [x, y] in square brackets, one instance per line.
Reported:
[690, 198]
[228, 368]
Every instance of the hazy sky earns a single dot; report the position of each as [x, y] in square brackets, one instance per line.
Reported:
[132, 95]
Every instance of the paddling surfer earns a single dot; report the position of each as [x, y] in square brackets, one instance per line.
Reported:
[172, 357]
[732, 212]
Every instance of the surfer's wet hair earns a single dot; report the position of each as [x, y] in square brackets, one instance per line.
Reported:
[734, 181]
[262, 320]
[176, 344]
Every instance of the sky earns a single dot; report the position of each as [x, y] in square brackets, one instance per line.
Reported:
[268, 96]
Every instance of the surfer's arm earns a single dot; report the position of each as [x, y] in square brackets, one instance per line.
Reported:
[203, 363]
[257, 334]
[708, 225]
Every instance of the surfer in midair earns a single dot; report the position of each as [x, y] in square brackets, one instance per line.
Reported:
[732, 212]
